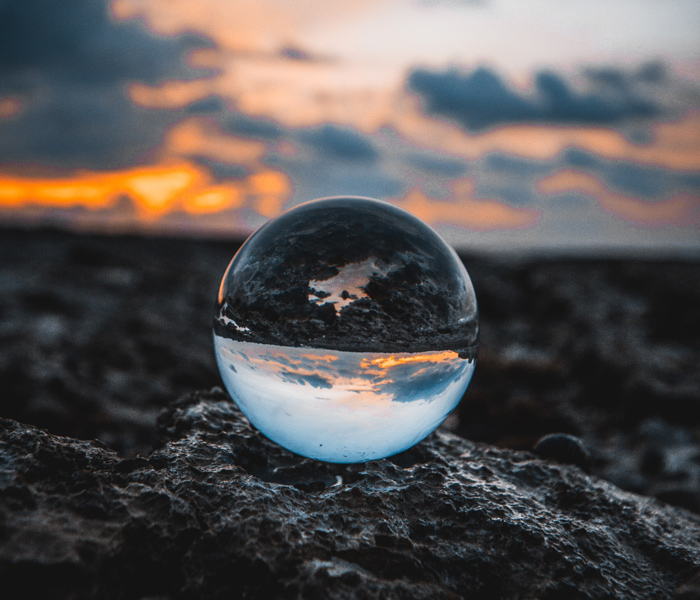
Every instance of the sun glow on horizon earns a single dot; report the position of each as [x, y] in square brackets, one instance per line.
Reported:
[155, 190]
[257, 107]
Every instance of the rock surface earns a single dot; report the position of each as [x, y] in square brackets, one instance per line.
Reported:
[99, 333]
[218, 511]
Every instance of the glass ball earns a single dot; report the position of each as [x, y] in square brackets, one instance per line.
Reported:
[346, 329]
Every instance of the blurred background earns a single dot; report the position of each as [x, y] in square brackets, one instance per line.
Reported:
[507, 125]
[555, 145]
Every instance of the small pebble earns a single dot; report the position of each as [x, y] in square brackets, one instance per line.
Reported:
[564, 448]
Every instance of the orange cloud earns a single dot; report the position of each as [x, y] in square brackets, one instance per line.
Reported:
[327, 358]
[271, 189]
[388, 362]
[214, 199]
[294, 93]
[201, 137]
[9, 107]
[466, 211]
[241, 26]
[156, 190]
[364, 95]
[153, 188]
[674, 145]
[172, 94]
[680, 209]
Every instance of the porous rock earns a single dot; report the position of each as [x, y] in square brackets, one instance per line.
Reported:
[218, 511]
[99, 333]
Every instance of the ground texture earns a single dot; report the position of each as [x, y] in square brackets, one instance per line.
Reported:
[218, 511]
[99, 335]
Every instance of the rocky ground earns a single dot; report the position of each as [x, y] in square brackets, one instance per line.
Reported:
[218, 511]
[99, 334]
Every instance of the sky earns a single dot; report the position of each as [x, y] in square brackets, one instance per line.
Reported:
[508, 126]
[342, 406]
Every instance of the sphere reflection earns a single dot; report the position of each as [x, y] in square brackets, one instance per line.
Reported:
[346, 329]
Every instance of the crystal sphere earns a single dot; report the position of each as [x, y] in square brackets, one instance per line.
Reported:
[346, 329]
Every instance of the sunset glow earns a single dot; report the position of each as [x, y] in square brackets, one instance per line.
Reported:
[216, 117]
[154, 191]
[9, 107]
[681, 209]
[387, 362]
[466, 211]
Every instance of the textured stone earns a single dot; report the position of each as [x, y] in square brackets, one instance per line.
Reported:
[218, 511]
[564, 448]
[99, 333]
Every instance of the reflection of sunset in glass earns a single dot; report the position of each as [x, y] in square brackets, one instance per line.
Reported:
[387, 362]
[342, 406]
[217, 117]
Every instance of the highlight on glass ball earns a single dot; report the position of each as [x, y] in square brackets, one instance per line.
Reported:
[346, 329]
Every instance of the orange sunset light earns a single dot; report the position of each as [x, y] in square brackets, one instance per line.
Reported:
[675, 145]
[680, 209]
[155, 190]
[466, 211]
[394, 361]
[9, 107]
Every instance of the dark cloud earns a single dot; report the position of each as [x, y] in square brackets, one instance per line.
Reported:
[638, 180]
[646, 182]
[515, 165]
[295, 54]
[609, 77]
[79, 126]
[579, 159]
[205, 106]
[435, 164]
[514, 192]
[252, 127]
[691, 181]
[338, 142]
[78, 41]
[480, 99]
[221, 170]
[654, 72]
[315, 381]
[70, 63]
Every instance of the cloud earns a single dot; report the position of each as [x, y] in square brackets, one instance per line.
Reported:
[467, 211]
[253, 128]
[480, 100]
[314, 380]
[501, 162]
[646, 182]
[222, 170]
[70, 63]
[318, 179]
[654, 72]
[680, 209]
[295, 54]
[205, 106]
[436, 164]
[338, 142]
